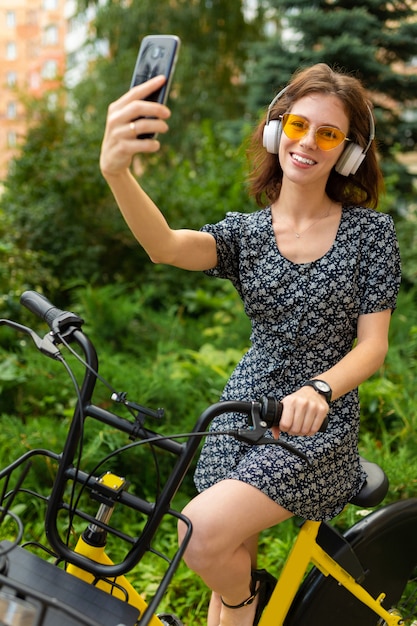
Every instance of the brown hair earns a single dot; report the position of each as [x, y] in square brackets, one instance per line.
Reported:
[265, 177]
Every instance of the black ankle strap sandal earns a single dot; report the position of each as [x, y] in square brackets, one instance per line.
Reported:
[265, 588]
[247, 601]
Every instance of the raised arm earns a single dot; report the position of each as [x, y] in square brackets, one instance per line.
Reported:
[188, 249]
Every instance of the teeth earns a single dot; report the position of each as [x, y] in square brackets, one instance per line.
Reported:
[303, 160]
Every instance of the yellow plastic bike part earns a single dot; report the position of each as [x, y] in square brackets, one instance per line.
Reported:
[118, 587]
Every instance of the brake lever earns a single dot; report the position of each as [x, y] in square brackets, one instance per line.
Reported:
[254, 435]
[46, 345]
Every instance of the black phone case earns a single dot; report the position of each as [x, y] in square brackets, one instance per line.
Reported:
[157, 55]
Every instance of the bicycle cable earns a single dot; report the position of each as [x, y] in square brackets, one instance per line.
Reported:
[118, 397]
[72, 500]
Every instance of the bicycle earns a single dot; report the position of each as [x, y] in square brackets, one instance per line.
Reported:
[367, 576]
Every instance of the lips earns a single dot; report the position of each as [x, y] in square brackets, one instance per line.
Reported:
[302, 160]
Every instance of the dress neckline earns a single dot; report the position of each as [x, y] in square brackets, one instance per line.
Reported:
[308, 263]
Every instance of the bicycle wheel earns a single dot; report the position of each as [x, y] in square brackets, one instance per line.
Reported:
[407, 605]
[385, 542]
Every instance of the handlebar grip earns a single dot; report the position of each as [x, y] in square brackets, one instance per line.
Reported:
[40, 306]
[272, 411]
[43, 308]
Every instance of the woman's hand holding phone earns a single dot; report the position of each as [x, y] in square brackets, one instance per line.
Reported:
[158, 54]
[135, 120]
[131, 116]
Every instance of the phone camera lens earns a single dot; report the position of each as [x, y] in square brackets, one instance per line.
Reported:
[156, 52]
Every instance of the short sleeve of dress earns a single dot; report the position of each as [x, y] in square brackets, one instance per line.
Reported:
[227, 234]
[380, 265]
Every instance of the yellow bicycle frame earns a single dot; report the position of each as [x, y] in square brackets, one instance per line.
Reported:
[306, 550]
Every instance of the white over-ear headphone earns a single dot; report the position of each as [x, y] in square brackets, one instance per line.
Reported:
[349, 160]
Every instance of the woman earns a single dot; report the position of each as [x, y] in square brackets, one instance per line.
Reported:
[318, 272]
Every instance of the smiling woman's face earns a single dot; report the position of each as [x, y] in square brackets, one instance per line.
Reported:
[302, 160]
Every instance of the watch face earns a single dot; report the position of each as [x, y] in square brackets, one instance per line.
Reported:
[320, 384]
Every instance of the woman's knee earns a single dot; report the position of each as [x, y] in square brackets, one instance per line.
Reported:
[205, 545]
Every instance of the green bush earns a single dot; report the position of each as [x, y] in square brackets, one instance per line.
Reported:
[179, 358]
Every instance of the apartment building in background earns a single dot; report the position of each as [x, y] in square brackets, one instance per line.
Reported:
[41, 46]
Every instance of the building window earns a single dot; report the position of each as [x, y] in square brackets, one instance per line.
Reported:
[32, 48]
[11, 79]
[50, 70]
[11, 111]
[11, 19]
[50, 5]
[11, 139]
[52, 100]
[50, 35]
[11, 51]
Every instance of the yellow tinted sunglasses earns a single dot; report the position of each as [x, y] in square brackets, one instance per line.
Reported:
[327, 137]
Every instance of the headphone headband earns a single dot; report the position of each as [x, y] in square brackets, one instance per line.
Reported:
[277, 97]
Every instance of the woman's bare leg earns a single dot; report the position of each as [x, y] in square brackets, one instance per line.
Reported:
[226, 518]
[215, 606]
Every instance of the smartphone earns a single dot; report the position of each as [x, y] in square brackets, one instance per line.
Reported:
[157, 55]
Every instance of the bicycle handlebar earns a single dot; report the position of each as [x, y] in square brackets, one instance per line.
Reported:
[56, 319]
[264, 414]
[59, 321]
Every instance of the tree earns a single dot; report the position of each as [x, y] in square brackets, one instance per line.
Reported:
[63, 223]
[55, 196]
[209, 80]
[57, 203]
[376, 41]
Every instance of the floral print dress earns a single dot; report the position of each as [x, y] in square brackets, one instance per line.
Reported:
[304, 320]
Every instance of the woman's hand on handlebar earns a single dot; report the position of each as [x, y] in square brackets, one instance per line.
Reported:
[128, 117]
[303, 413]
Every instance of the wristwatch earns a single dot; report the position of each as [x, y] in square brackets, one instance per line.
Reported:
[321, 387]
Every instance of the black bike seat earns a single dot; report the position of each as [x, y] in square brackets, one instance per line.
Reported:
[375, 486]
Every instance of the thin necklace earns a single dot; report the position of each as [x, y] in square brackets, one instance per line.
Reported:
[298, 235]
